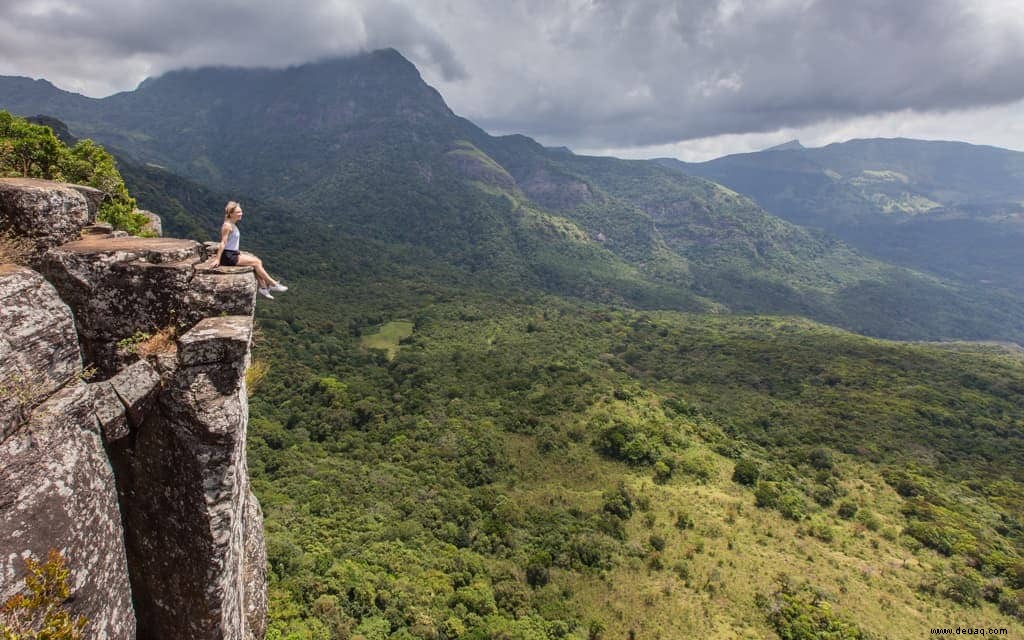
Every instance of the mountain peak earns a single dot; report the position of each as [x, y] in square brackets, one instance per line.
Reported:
[792, 145]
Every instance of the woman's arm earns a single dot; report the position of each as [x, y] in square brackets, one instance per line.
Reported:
[225, 230]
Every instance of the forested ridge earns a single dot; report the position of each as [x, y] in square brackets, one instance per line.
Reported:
[950, 208]
[517, 393]
[365, 147]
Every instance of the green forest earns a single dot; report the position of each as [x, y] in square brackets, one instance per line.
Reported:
[524, 465]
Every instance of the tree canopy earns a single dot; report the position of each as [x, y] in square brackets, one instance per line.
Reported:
[33, 151]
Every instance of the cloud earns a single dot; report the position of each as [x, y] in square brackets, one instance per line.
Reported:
[999, 126]
[586, 73]
[642, 73]
[393, 25]
[101, 46]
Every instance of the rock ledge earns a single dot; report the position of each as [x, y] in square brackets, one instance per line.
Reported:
[131, 462]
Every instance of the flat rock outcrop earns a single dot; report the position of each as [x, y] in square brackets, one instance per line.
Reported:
[45, 212]
[138, 476]
[121, 287]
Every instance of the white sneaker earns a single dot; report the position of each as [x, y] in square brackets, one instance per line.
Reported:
[278, 287]
[265, 293]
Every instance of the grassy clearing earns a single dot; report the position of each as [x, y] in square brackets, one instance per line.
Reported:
[706, 578]
[389, 337]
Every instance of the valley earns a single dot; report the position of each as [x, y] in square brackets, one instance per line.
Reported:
[514, 392]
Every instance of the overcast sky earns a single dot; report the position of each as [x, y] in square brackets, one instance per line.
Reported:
[635, 78]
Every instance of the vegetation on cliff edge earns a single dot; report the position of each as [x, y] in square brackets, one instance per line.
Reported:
[33, 151]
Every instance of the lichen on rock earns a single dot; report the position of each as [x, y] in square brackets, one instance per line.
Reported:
[46, 212]
[57, 491]
[38, 345]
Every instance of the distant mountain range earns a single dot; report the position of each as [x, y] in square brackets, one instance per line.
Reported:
[362, 147]
[951, 208]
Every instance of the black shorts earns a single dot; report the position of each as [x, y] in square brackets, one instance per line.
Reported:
[228, 258]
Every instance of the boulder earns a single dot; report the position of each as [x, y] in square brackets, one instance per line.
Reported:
[136, 386]
[38, 345]
[216, 340]
[155, 226]
[220, 290]
[110, 412]
[93, 198]
[57, 491]
[47, 213]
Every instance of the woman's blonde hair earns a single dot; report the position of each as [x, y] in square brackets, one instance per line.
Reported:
[229, 207]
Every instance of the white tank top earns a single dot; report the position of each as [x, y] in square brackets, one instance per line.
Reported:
[233, 237]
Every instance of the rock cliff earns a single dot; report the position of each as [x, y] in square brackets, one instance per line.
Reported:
[132, 465]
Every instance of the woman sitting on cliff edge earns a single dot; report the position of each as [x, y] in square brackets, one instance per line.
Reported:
[229, 256]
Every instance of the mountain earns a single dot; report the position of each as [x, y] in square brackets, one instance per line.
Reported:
[950, 208]
[504, 397]
[364, 147]
[786, 146]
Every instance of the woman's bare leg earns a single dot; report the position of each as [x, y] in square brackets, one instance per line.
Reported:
[262, 276]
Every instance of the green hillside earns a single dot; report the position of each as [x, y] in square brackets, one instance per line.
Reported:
[950, 208]
[363, 147]
[755, 262]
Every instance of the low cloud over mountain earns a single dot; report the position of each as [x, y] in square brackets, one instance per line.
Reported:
[585, 73]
